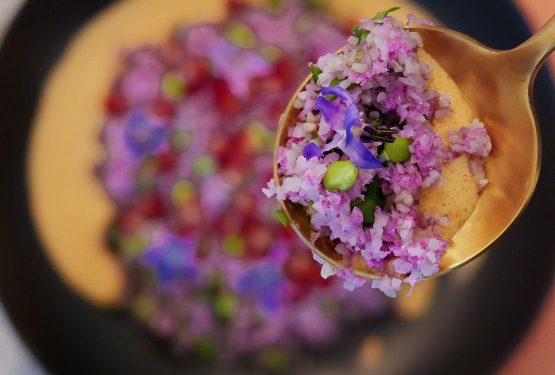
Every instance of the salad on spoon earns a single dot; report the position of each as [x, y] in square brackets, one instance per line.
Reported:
[380, 160]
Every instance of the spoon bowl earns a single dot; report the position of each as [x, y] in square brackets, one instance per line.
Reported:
[497, 85]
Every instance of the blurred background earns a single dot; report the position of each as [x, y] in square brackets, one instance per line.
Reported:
[533, 356]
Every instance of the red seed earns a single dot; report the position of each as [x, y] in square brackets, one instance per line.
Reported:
[228, 223]
[226, 101]
[299, 292]
[236, 152]
[298, 267]
[259, 239]
[285, 71]
[287, 231]
[115, 103]
[235, 5]
[196, 73]
[163, 108]
[301, 268]
[151, 206]
[166, 161]
[245, 203]
[129, 220]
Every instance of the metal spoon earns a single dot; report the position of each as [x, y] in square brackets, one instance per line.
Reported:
[497, 85]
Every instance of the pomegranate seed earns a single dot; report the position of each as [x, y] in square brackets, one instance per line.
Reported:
[151, 206]
[163, 108]
[235, 152]
[235, 5]
[116, 104]
[129, 220]
[245, 203]
[196, 73]
[228, 104]
[298, 267]
[166, 161]
[299, 292]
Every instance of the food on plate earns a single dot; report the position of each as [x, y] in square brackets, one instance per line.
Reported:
[385, 157]
[188, 139]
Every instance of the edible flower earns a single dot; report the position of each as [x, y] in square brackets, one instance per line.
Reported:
[171, 259]
[264, 283]
[360, 155]
[312, 150]
[141, 135]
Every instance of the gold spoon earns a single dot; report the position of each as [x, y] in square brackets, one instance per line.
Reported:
[497, 85]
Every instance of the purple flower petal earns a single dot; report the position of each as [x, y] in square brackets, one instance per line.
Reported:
[359, 154]
[312, 150]
[332, 112]
[141, 135]
[171, 260]
[264, 283]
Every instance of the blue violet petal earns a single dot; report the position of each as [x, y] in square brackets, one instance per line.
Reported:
[312, 150]
[360, 155]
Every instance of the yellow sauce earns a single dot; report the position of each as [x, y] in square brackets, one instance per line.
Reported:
[457, 195]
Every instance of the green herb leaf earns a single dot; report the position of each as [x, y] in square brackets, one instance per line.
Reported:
[373, 197]
[373, 192]
[315, 72]
[368, 208]
[356, 202]
[282, 218]
[336, 82]
[360, 33]
[385, 13]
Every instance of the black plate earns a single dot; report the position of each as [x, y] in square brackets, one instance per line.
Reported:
[471, 328]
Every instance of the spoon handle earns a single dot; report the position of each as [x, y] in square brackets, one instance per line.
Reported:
[532, 53]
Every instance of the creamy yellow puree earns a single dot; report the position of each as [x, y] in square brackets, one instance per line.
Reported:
[457, 195]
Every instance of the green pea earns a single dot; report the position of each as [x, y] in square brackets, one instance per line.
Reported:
[274, 359]
[241, 35]
[261, 137]
[271, 53]
[143, 307]
[398, 150]
[204, 165]
[182, 191]
[331, 308]
[181, 140]
[317, 3]
[215, 281]
[275, 5]
[234, 245]
[173, 86]
[205, 349]
[225, 306]
[133, 245]
[341, 175]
